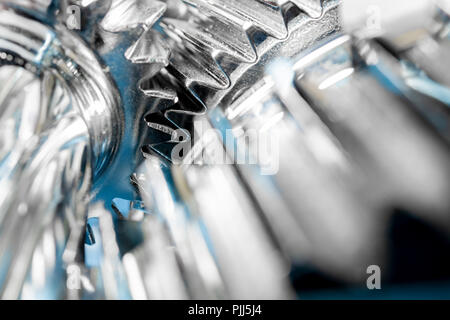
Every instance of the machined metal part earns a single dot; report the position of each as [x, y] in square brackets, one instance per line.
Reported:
[246, 149]
[328, 204]
[69, 128]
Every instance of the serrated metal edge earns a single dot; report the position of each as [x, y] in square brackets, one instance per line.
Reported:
[196, 52]
[197, 49]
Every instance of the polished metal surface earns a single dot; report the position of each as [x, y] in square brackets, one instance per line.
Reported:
[69, 128]
[222, 149]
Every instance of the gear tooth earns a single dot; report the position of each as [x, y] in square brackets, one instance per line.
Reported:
[159, 88]
[163, 149]
[215, 29]
[313, 8]
[262, 14]
[165, 126]
[129, 14]
[155, 125]
[149, 48]
[166, 94]
[178, 117]
[236, 39]
[204, 71]
[214, 37]
[166, 123]
[218, 28]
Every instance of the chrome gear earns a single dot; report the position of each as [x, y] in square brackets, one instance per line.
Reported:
[352, 97]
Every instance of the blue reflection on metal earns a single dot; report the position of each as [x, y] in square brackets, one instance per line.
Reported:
[93, 253]
[123, 207]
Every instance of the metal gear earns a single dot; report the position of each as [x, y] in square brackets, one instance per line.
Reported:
[277, 146]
